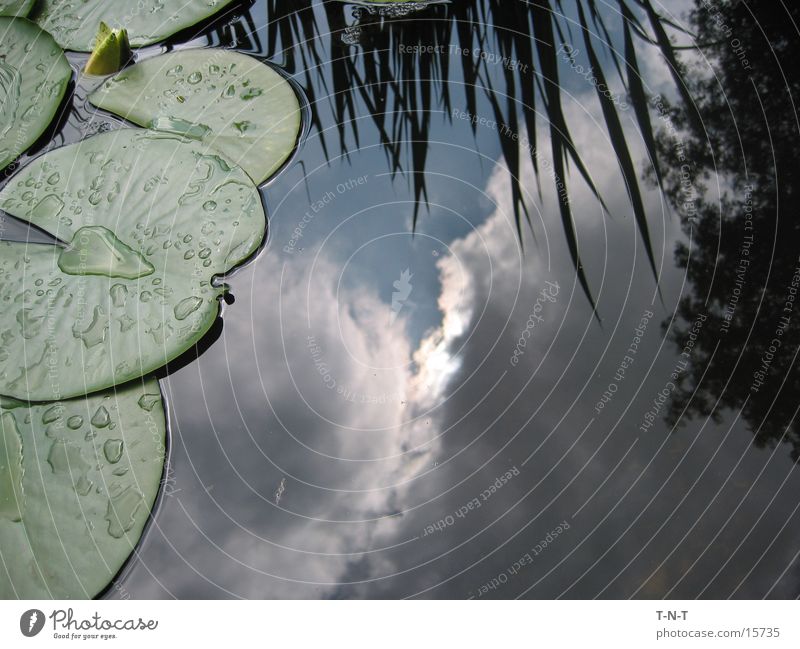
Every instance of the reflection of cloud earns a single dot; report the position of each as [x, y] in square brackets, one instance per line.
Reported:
[486, 288]
[406, 435]
[434, 358]
[649, 506]
[348, 448]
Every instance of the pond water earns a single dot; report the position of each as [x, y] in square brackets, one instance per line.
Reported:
[410, 393]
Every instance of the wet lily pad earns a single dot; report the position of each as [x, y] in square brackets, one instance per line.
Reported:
[34, 75]
[15, 7]
[232, 102]
[149, 219]
[78, 480]
[74, 24]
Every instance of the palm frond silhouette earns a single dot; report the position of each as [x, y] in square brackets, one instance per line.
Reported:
[355, 57]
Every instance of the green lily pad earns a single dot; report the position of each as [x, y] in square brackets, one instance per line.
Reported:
[149, 219]
[74, 23]
[78, 480]
[232, 102]
[34, 75]
[13, 8]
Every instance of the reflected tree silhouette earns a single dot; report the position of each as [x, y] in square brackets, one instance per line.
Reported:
[742, 260]
[356, 57]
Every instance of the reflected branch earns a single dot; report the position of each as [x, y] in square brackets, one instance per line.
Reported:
[367, 61]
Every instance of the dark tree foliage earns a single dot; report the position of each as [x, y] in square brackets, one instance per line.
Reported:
[743, 254]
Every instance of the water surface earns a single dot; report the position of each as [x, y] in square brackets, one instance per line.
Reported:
[412, 394]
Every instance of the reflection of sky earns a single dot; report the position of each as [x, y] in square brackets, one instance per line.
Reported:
[323, 433]
[365, 472]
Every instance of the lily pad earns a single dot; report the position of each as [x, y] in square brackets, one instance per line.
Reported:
[34, 75]
[148, 220]
[74, 23]
[12, 8]
[78, 480]
[232, 102]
